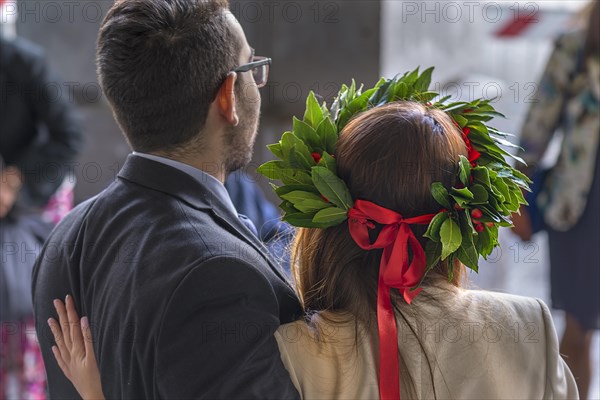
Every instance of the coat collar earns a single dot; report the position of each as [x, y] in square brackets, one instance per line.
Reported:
[174, 182]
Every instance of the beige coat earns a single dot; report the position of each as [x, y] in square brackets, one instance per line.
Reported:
[477, 345]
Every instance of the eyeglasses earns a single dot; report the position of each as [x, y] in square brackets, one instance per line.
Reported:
[260, 69]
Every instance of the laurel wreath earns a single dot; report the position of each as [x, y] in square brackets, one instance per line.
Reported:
[313, 196]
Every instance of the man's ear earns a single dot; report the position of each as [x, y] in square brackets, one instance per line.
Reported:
[226, 100]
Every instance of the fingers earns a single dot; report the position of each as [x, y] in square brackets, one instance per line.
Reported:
[88, 340]
[63, 320]
[73, 338]
[61, 362]
[62, 349]
[75, 328]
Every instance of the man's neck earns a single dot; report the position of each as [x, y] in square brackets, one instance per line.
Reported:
[209, 165]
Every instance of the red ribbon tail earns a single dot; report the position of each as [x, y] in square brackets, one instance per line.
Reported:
[389, 366]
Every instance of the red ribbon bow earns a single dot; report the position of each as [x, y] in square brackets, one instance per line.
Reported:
[395, 271]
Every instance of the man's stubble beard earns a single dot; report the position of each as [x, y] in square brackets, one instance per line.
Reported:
[239, 140]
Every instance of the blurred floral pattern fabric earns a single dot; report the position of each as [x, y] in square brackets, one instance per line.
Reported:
[568, 99]
[22, 374]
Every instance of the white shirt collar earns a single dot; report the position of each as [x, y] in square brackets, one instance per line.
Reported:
[213, 184]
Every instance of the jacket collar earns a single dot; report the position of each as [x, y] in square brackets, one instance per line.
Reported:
[174, 182]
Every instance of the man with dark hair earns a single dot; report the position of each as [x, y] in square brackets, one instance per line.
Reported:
[183, 299]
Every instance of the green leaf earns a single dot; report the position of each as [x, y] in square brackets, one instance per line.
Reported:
[328, 162]
[306, 133]
[520, 175]
[331, 216]
[275, 148]
[343, 119]
[482, 176]
[440, 194]
[480, 129]
[422, 84]
[461, 196]
[460, 120]
[505, 142]
[476, 116]
[380, 82]
[451, 267]
[280, 191]
[514, 157]
[496, 131]
[297, 196]
[489, 155]
[331, 187]
[298, 159]
[491, 211]
[286, 143]
[296, 151]
[519, 196]
[464, 193]
[433, 254]
[484, 243]
[433, 230]
[301, 220]
[400, 90]
[328, 135]
[480, 194]
[464, 170]
[291, 176]
[381, 93]
[496, 193]
[502, 187]
[313, 114]
[287, 207]
[513, 202]
[351, 91]
[309, 205]
[467, 253]
[359, 104]
[337, 103]
[457, 107]
[412, 76]
[427, 96]
[272, 169]
[451, 237]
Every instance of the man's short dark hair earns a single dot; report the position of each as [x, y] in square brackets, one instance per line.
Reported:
[161, 63]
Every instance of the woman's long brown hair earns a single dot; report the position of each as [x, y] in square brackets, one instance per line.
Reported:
[389, 155]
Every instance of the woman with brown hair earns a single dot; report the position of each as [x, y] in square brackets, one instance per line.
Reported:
[369, 332]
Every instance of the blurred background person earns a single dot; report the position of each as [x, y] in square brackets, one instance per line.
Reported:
[567, 204]
[40, 137]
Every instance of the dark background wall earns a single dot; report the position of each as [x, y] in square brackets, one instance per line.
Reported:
[315, 45]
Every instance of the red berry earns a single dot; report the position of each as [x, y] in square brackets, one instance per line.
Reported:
[324, 199]
[457, 207]
[316, 156]
[479, 228]
[476, 213]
